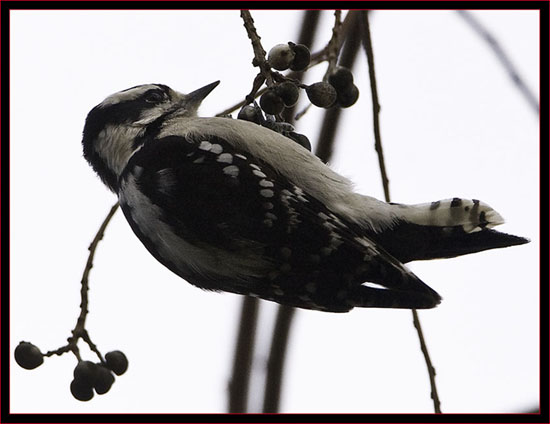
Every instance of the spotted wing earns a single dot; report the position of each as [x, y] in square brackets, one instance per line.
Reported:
[264, 235]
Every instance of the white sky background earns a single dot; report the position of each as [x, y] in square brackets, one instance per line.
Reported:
[452, 126]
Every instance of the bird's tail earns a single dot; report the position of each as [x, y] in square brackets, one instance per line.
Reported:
[364, 296]
[444, 229]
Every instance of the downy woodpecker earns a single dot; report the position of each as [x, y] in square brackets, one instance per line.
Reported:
[230, 205]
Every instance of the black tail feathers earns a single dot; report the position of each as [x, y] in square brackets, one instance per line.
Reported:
[366, 297]
[411, 242]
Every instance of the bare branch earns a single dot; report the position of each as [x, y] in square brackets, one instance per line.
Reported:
[367, 43]
[242, 363]
[501, 55]
[79, 331]
[277, 357]
[431, 369]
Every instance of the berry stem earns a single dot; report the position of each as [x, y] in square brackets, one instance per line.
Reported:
[259, 52]
[79, 331]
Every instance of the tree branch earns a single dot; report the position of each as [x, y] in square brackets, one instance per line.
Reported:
[367, 43]
[431, 369]
[79, 331]
[501, 55]
[242, 363]
[277, 356]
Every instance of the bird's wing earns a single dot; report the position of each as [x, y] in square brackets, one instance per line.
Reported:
[264, 227]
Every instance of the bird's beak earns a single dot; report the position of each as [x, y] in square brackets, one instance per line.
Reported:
[194, 99]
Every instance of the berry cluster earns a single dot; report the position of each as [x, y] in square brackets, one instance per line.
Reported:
[347, 92]
[290, 55]
[338, 91]
[253, 113]
[88, 376]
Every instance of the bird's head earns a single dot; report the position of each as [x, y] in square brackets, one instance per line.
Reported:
[117, 127]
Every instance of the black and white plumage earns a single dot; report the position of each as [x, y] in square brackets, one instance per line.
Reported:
[230, 205]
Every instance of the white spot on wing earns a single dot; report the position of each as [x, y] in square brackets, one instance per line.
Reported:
[205, 145]
[216, 148]
[225, 158]
[259, 173]
[231, 170]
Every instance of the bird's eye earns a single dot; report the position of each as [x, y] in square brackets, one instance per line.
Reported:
[153, 97]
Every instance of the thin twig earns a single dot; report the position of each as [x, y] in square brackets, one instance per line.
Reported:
[367, 43]
[259, 56]
[79, 331]
[89, 264]
[431, 369]
[334, 45]
[501, 55]
[259, 52]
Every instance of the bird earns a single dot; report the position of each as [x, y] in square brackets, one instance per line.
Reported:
[232, 206]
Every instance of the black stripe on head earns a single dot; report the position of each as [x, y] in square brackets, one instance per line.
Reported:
[126, 107]
[122, 108]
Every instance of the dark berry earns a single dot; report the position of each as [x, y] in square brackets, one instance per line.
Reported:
[117, 362]
[85, 371]
[250, 113]
[340, 78]
[301, 58]
[280, 57]
[321, 94]
[28, 356]
[82, 389]
[348, 96]
[288, 92]
[104, 380]
[271, 103]
[301, 139]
